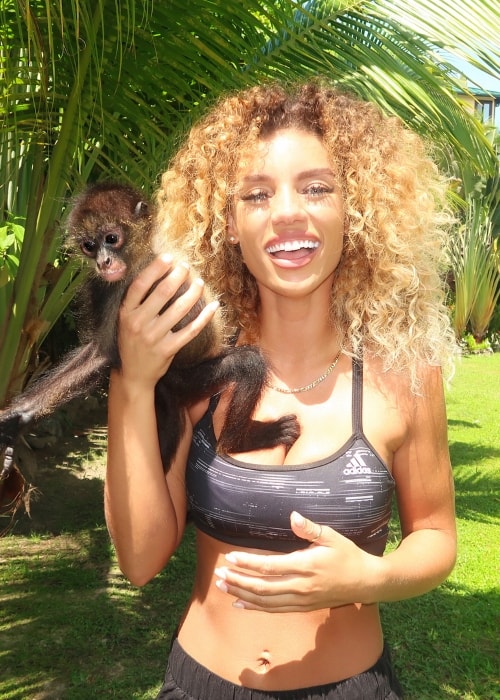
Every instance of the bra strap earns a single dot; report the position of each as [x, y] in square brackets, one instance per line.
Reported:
[357, 396]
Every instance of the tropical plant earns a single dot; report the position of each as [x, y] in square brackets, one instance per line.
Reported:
[94, 88]
[476, 272]
[474, 251]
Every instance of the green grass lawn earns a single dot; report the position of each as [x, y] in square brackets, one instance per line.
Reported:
[446, 643]
[71, 628]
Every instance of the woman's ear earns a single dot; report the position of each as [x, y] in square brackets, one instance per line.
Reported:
[232, 235]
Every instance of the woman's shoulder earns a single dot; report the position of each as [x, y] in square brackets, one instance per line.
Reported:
[403, 388]
[376, 370]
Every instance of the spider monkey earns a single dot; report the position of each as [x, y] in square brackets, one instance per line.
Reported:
[112, 225]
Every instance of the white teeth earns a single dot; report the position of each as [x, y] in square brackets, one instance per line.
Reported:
[288, 246]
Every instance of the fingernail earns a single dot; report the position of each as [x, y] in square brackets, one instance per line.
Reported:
[231, 557]
[298, 519]
[200, 282]
[239, 604]
[221, 572]
[166, 258]
[221, 585]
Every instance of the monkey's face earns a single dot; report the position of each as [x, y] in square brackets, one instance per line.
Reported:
[105, 249]
[110, 224]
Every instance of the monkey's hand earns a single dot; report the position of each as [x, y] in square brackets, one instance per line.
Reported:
[8, 463]
[259, 435]
[149, 332]
[10, 428]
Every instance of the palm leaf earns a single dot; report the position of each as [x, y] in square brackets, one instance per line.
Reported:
[94, 89]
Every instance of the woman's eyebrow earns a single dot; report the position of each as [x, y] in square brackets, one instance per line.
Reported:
[317, 172]
[313, 172]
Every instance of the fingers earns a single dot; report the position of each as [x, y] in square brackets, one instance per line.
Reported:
[161, 297]
[267, 580]
[326, 574]
[155, 286]
[307, 529]
[272, 604]
[270, 593]
[146, 279]
[158, 317]
[304, 580]
[182, 336]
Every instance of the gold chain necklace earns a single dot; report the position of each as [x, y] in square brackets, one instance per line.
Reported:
[313, 384]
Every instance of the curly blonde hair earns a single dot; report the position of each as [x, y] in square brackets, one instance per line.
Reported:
[388, 292]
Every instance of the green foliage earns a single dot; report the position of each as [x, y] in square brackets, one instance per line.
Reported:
[476, 271]
[474, 251]
[11, 241]
[92, 89]
[472, 345]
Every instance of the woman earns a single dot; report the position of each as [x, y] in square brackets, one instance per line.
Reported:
[319, 223]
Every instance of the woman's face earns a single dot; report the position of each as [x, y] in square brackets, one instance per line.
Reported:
[288, 215]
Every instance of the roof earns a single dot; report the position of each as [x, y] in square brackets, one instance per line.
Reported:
[479, 92]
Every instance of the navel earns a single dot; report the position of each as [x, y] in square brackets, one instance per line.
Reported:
[264, 662]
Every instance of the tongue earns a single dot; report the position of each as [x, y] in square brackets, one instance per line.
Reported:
[291, 254]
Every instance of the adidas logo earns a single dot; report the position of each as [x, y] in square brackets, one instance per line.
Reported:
[356, 465]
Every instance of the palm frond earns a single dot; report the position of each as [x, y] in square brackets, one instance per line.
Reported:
[94, 89]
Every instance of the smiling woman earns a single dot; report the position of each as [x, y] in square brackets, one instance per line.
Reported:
[395, 228]
[318, 223]
[286, 217]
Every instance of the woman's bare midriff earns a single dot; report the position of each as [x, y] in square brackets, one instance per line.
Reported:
[273, 651]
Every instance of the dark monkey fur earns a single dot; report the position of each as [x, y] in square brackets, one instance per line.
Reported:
[113, 226]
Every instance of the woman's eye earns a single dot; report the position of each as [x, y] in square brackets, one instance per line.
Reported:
[318, 190]
[255, 196]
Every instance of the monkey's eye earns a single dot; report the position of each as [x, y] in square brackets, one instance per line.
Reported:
[112, 239]
[89, 247]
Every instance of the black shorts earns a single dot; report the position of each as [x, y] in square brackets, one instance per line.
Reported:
[186, 679]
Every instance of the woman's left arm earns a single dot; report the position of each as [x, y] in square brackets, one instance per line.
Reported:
[426, 502]
[333, 571]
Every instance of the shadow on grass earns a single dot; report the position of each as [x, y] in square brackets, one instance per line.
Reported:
[444, 644]
[469, 454]
[476, 496]
[463, 423]
[66, 467]
[64, 504]
[72, 628]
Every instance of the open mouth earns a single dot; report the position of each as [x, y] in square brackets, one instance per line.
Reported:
[292, 250]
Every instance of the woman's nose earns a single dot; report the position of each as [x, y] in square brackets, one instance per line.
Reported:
[286, 205]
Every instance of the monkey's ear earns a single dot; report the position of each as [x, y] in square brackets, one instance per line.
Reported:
[141, 208]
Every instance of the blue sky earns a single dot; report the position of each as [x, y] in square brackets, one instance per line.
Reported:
[485, 80]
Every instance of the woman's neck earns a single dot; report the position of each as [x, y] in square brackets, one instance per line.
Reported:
[297, 330]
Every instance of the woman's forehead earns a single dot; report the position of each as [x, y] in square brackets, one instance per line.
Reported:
[302, 144]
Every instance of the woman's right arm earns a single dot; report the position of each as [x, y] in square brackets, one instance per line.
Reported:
[146, 510]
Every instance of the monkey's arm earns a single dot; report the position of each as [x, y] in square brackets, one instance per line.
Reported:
[246, 369]
[80, 372]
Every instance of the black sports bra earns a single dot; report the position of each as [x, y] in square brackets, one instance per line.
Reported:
[248, 505]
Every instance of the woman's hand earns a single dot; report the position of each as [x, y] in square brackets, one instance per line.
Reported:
[332, 572]
[146, 340]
